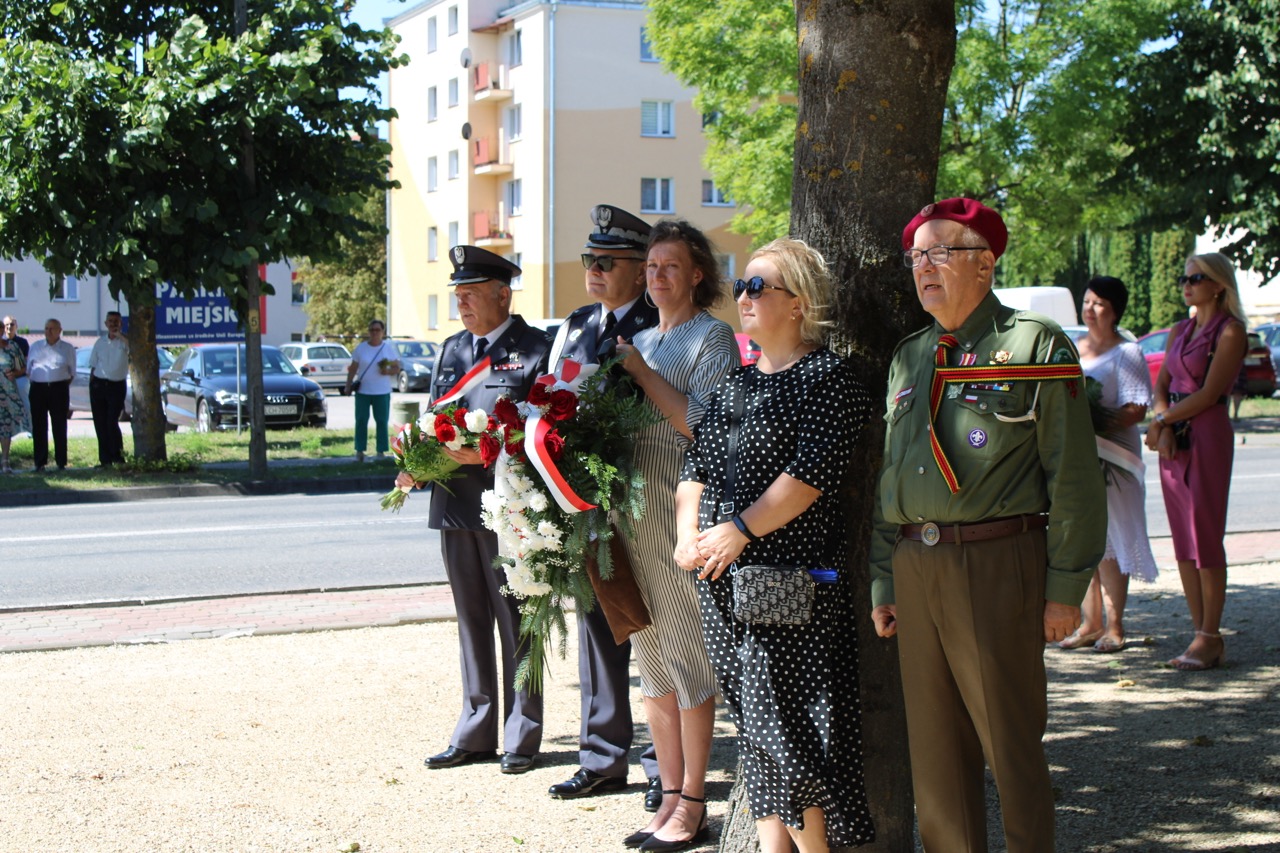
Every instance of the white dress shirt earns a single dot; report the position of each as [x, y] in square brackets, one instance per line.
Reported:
[110, 358]
[52, 363]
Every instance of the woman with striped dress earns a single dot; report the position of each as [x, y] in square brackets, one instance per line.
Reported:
[677, 363]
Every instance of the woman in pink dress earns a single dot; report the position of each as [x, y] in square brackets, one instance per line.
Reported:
[1192, 434]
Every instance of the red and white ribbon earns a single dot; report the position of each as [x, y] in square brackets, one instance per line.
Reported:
[570, 376]
[473, 377]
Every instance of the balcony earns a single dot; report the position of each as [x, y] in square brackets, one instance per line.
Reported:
[490, 232]
[490, 83]
[485, 158]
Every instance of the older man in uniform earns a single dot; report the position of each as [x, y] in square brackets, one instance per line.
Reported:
[992, 515]
[507, 355]
[615, 280]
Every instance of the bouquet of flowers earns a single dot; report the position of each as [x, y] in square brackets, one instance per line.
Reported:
[564, 473]
[418, 448]
[388, 366]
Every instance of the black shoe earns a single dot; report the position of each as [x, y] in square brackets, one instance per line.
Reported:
[635, 839]
[39, 469]
[655, 843]
[584, 783]
[515, 763]
[653, 795]
[454, 756]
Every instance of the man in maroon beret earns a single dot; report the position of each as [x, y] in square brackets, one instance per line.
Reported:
[991, 517]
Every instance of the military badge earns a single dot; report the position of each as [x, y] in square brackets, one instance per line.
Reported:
[603, 215]
[953, 391]
[459, 254]
[1063, 356]
[977, 438]
[1001, 356]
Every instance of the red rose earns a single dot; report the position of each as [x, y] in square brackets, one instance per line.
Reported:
[489, 448]
[460, 417]
[539, 395]
[506, 412]
[514, 445]
[492, 425]
[445, 432]
[564, 405]
[555, 444]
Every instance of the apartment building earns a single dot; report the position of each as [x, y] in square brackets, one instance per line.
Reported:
[513, 122]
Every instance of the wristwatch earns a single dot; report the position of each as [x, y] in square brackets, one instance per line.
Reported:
[743, 529]
[1160, 419]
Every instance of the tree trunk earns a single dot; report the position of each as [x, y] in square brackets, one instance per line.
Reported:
[873, 86]
[144, 371]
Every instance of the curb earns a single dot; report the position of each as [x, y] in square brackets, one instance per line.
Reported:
[251, 488]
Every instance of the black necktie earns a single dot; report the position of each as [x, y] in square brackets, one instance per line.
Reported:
[482, 344]
[610, 322]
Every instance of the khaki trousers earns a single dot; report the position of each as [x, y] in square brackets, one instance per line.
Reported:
[971, 643]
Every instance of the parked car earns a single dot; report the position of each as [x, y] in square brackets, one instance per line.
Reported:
[1259, 370]
[201, 390]
[80, 385]
[323, 363]
[1270, 333]
[748, 350]
[417, 358]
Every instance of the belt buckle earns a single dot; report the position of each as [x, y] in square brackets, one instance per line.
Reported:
[727, 508]
[930, 534]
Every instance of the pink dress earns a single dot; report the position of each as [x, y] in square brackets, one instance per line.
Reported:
[1196, 481]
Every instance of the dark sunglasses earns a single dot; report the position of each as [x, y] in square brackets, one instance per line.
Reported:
[605, 262]
[754, 287]
[1192, 279]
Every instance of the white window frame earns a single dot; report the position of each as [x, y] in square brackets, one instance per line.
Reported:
[433, 244]
[432, 33]
[515, 123]
[433, 174]
[658, 119]
[452, 18]
[8, 286]
[453, 91]
[453, 306]
[433, 311]
[517, 281]
[515, 49]
[433, 103]
[455, 238]
[67, 289]
[646, 48]
[728, 265]
[715, 197]
[661, 193]
[454, 161]
[513, 193]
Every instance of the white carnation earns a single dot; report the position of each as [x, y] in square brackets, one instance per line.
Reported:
[476, 420]
[457, 443]
[427, 423]
[548, 530]
[491, 502]
[538, 501]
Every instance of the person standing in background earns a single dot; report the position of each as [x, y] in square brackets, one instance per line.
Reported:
[24, 382]
[108, 370]
[369, 378]
[51, 366]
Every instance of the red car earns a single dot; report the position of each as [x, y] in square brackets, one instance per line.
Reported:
[748, 349]
[1259, 373]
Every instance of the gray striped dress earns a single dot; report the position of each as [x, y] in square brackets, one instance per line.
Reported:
[693, 357]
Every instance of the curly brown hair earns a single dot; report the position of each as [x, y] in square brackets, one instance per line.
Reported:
[711, 291]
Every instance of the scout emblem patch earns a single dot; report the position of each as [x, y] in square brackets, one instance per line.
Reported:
[977, 438]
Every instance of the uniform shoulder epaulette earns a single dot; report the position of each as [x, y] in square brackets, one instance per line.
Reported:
[909, 338]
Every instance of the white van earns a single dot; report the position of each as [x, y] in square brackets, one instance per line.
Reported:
[1056, 303]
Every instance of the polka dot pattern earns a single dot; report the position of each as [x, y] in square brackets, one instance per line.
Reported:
[793, 690]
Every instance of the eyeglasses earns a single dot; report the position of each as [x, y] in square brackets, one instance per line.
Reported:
[1196, 278]
[938, 255]
[755, 287]
[605, 262]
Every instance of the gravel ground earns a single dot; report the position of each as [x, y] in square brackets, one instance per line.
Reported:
[314, 742]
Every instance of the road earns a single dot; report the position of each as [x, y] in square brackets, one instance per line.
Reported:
[211, 546]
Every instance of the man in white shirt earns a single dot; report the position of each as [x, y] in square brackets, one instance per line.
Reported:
[108, 370]
[51, 366]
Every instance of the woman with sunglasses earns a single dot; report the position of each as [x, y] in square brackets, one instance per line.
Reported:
[677, 363]
[793, 689]
[1192, 434]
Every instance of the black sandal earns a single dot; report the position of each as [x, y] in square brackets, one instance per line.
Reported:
[699, 836]
[635, 839]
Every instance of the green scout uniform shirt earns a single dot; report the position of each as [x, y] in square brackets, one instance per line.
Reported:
[1049, 464]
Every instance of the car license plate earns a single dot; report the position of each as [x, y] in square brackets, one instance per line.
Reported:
[282, 410]
[331, 368]
[1253, 361]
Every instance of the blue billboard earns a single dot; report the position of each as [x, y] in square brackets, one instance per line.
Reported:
[206, 317]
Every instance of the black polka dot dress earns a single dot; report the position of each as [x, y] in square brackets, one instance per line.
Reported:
[793, 689]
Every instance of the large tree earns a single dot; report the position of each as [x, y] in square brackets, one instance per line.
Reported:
[343, 294]
[158, 141]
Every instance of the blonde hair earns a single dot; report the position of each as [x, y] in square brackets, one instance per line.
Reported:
[1221, 269]
[803, 271]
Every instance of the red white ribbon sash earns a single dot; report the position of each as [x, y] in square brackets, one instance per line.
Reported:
[473, 377]
[571, 375]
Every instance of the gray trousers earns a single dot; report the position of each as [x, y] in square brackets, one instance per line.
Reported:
[468, 561]
[604, 673]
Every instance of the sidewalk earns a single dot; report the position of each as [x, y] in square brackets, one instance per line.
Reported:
[289, 613]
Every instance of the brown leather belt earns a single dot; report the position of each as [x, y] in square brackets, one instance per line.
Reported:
[931, 533]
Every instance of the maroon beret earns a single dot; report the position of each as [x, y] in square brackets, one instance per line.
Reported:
[966, 211]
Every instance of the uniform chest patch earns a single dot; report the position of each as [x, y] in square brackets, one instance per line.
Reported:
[510, 365]
[905, 392]
[977, 438]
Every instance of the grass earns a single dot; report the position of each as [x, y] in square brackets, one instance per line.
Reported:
[196, 458]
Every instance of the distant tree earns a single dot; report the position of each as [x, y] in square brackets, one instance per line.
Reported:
[146, 141]
[343, 294]
[1203, 128]
[1169, 251]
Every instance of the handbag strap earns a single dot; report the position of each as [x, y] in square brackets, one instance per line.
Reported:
[372, 362]
[727, 508]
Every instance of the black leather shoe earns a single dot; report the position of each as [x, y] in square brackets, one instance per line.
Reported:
[653, 795]
[515, 763]
[584, 783]
[453, 757]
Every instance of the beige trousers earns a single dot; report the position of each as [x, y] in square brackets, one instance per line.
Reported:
[971, 642]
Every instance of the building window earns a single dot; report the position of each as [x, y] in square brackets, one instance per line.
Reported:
[431, 34]
[299, 296]
[433, 312]
[514, 194]
[453, 306]
[709, 119]
[431, 104]
[646, 49]
[8, 285]
[657, 118]
[433, 174]
[515, 122]
[453, 164]
[727, 266]
[433, 244]
[517, 281]
[713, 196]
[655, 195]
[515, 49]
[453, 92]
[453, 234]
[66, 289]
[453, 29]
